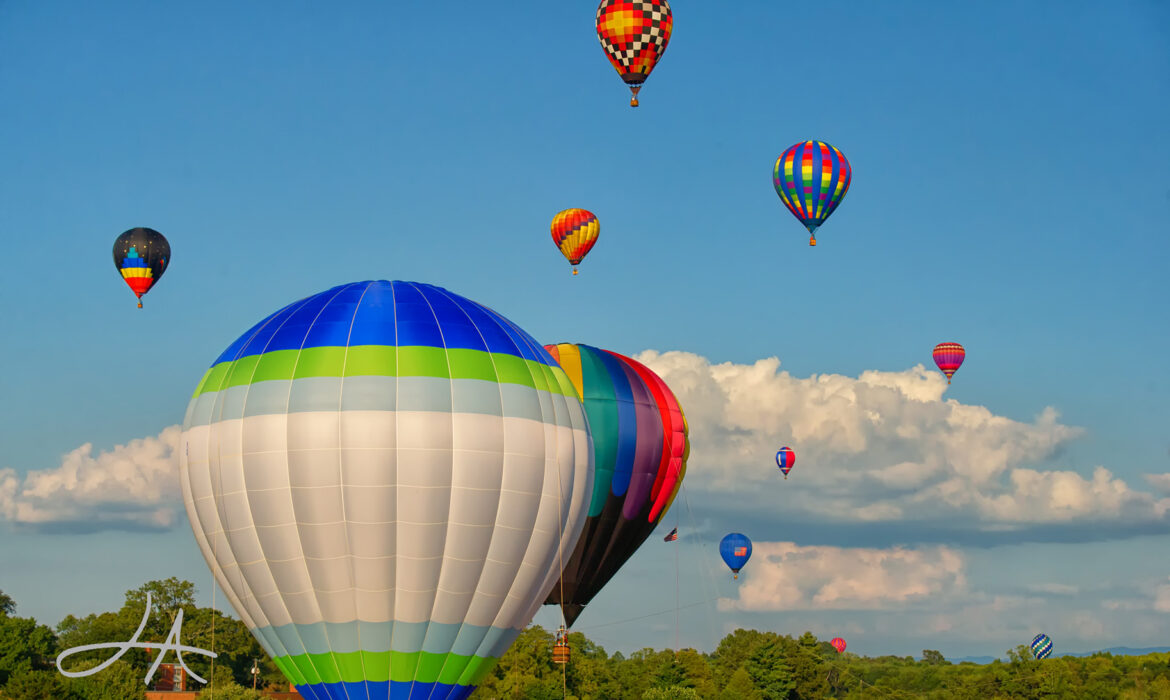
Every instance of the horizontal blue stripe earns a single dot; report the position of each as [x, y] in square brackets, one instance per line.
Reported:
[385, 690]
[406, 637]
[362, 393]
[386, 313]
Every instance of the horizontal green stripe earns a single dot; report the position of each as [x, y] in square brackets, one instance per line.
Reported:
[384, 361]
[353, 667]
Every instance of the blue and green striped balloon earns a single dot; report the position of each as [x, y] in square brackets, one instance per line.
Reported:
[385, 479]
[1041, 646]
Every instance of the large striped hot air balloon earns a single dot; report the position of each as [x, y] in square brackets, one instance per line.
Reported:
[634, 34]
[640, 448]
[574, 231]
[385, 478]
[811, 178]
[949, 357]
[141, 256]
[838, 644]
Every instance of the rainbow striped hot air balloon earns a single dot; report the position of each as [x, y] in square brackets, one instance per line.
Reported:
[574, 231]
[949, 357]
[811, 178]
[640, 446]
[384, 479]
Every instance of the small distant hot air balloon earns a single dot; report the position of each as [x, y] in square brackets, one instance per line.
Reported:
[574, 231]
[1041, 646]
[838, 644]
[949, 357]
[634, 34]
[141, 255]
[811, 178]
[786, 460]
[735, 549]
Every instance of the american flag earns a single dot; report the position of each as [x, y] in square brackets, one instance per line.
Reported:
[672, 536]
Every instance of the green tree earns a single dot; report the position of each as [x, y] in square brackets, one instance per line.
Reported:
[38, 685]
[770, 671]
[932, 657]
[7, 605]
[740, 687]
[24, 646]
[118, 681]
[674, 692]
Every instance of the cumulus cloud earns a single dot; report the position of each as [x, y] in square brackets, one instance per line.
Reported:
[887, 447]
[1162, 598]
[131, 486]
[786, 576]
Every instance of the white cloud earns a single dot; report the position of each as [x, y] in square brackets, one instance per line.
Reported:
[1160, 482]
[886, 446]
[135, 484]
[785, 576]
[1162, 598]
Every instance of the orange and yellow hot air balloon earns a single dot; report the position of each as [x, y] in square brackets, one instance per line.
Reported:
[575, 231]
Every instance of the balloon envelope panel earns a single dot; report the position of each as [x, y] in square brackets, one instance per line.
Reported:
[640, 448]
[385, 479]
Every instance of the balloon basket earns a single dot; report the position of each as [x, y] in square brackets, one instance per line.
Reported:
[634, 95]
[140, 304]
[812, 241]
[574, 270]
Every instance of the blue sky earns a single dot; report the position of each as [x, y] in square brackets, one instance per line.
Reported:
[1010, 192]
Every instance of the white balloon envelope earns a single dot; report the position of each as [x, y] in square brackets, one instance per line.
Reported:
[385, 479]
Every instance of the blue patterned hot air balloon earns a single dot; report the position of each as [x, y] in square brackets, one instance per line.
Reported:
[735, 549]
[1041, 646]
[811, 178]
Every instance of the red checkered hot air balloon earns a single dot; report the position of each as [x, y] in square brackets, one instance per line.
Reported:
[949, 357]
[634, 34]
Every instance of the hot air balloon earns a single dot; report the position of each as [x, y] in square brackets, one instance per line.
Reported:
[949, 357]
[838, 644]
[574, 231]
[640, 446]
[811, 178]
[634, 34]
[1041, 646]
[384, 479]
[735, 549]
[141, 256]
[786, 460]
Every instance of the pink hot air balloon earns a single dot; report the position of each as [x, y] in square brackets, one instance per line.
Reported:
[949, 357]
[838, 644]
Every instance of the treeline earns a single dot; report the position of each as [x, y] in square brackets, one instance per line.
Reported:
[28, 649]
[747, 665]
[752, 665]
